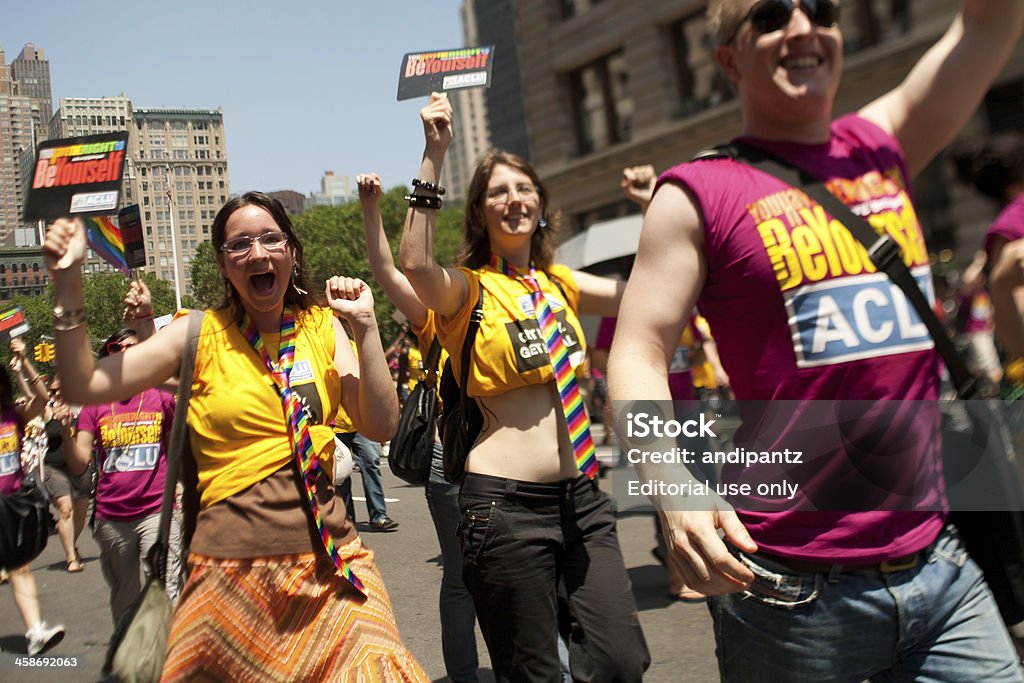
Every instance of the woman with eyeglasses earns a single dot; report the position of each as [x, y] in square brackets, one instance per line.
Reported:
[131, 438]
[538, 535]
[280, 585]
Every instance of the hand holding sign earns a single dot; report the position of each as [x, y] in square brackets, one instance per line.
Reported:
[437, 123]
[64, 246]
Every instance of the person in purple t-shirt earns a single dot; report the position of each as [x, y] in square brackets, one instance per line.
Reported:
[131, 437]
[800, 315]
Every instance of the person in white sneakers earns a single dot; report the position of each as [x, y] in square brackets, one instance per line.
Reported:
[39, 636]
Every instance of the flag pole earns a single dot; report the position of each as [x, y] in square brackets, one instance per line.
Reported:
[174, 241]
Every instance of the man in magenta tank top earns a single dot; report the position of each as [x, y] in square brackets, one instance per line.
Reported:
[880, 588]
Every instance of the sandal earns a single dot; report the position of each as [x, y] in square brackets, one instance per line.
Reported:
[74, 566]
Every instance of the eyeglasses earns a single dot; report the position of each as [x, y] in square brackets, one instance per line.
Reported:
[501, 194]
[271, 241]
[118, 347]
[771, 15]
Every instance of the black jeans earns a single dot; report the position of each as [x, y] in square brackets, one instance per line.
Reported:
[527, 544]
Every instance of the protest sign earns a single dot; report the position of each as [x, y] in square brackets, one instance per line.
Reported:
[78, 176]
[444, 70]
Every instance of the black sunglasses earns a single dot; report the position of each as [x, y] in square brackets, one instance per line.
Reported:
[771, 15]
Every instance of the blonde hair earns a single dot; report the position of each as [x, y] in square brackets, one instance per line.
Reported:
[724, 18]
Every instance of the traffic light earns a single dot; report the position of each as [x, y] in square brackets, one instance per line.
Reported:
[44, 352]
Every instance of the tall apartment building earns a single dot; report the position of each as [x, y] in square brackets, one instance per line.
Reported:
[508, 124]
[612, 83]
[181, 181]
[470, 137]
[24, 109]
[176, 170]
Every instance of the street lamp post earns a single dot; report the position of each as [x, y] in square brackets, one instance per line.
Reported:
[174, 241]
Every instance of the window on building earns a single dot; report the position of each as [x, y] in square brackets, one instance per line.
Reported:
[602, 107]
[701, 83]
[870, 22]
[571, 8]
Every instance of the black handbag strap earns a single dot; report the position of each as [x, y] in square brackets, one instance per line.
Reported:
[467, 352]
[157, 557]
[882, 249]
[430, 362]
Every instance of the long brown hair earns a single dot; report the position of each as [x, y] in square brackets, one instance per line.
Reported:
[297, 295]
[475, 251]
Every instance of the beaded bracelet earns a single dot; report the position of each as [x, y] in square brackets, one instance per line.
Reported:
[429, 187]
[420, 201]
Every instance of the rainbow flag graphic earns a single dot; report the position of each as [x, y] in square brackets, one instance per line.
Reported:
[105, 239]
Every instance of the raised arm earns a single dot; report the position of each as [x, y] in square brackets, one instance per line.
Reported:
[382, 263]
[944, 88]
[599, 295]
[439, 288]
[138, 310]
[120, 375]
[28, 380]
[367, 393]
[651, 322]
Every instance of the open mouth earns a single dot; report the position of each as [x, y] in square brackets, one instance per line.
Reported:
[262, 283]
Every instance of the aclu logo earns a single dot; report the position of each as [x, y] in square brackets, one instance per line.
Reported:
[9, 463]
[137, 458]
[855, 317]
[93, 201]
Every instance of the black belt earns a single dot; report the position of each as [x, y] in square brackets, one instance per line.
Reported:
[890, 566]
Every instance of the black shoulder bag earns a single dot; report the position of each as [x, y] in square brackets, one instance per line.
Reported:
[24, 521]
[137, 647]
[982, 479]
[412, 446]
[461, 420]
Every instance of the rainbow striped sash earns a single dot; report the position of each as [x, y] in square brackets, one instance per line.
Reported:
[576, 418]
[298, 425]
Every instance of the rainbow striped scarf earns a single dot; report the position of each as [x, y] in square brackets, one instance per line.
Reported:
[298, 425]
[576, 418]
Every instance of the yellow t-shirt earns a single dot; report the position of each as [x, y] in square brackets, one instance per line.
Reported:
[239, 431]
[509, 351]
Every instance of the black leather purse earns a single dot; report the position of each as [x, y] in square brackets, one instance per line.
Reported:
[461, 420]
[24, 523]
[412, 446]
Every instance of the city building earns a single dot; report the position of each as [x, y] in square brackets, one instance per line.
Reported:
[22, 271]
[497, 24]
[612, 83]
[180, 178]
[470, 137]
[334, 190]
[176, 171]
[24, 110]
[294, 202]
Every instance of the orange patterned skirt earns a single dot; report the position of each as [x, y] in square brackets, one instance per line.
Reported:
[286, 618]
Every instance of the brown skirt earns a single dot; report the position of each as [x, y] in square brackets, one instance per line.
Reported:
[286, 618]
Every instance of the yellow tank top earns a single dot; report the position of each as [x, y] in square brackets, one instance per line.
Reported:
[509, 352]
[238, 429]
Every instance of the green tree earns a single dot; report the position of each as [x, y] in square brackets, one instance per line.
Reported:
[205, 278]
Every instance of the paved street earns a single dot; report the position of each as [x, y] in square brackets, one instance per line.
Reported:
[678, 635]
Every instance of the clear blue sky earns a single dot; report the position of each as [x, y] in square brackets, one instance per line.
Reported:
[305, 86]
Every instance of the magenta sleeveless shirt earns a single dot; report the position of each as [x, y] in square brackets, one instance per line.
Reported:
[1009, 224]
[10, 452]
[799, 313]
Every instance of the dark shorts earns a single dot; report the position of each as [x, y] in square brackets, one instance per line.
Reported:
[59, 482]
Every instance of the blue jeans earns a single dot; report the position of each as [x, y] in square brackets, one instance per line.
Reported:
[935, 622]
[458, 617]
[366, 454]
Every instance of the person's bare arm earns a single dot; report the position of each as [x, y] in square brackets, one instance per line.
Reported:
[945, 87]
[442, 289]
[651, 322]
[1007, 285]
[78, 452]
[599, 295]
[378, 251]
[120, 375]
